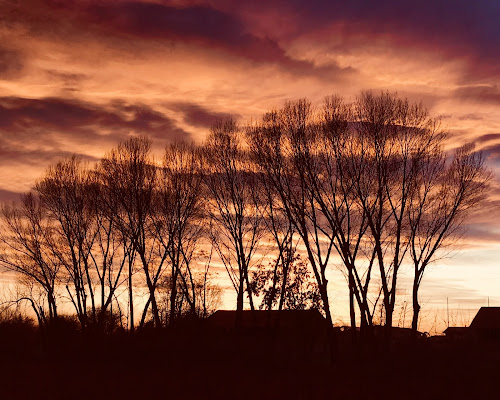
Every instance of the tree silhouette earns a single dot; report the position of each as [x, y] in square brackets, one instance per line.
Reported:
[366, 185]
[233, 205]
[178, 219]
[444, 196]
[28, 241]
[127, 171]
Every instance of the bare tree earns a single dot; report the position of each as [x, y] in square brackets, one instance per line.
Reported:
[207, 294]
[367, 181]
[233, 205]
[27, 241]
[393, 138]
[178, 219]
[64, 192]
[110, 250]
[283, 147]
[90, 246]
[128, 171]
[278, 227]
[444, 196]
[334, 189]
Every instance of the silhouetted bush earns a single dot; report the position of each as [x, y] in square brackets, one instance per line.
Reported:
[105, 323]
[15, 320]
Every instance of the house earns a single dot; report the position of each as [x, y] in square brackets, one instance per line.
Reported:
[484, 326]
[486, 323]
[398, 334]
[457, 332]
[299, 334]
[292, 321]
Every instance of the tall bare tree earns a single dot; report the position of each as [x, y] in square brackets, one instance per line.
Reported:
[27, 248]
[110, 251]
[129, 172]
[334, 189]
[278, 227]
[64, 192]
[283, 146]
[178, 218]
[444, 196]
[393, 137]
[233, 205]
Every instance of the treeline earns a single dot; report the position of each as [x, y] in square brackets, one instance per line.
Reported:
[363, 185]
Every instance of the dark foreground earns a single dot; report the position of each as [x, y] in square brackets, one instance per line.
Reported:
[203, 364]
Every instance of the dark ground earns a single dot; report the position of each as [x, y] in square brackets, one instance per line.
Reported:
[203, 364]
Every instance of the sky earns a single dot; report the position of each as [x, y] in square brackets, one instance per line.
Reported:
[80, 76]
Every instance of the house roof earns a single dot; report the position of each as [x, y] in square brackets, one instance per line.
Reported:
[397, 331]
[289, 319]
[487, 318]
[456, 330]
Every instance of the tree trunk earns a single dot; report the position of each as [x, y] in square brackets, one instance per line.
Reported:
[389, 311]
[283, 286]
[130, 296]
[416, 309]
[352, 310]
[173, 298]
[239, 304]
[249, 293]
[331, 336]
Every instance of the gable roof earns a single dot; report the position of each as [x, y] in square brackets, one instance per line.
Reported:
[487, 318]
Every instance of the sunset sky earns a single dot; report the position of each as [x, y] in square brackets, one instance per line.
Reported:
[79, 76]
